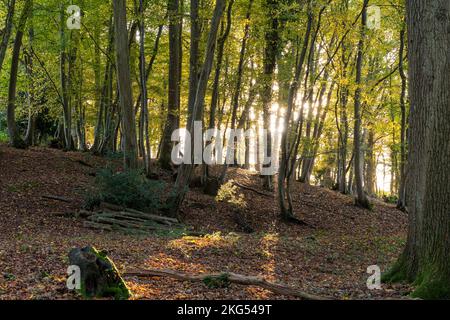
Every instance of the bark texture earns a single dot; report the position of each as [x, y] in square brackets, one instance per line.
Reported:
[426, 258]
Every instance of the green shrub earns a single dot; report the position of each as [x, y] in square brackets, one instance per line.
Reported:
[129, 189]
[228, 193]
[4, 136]
[392, 199]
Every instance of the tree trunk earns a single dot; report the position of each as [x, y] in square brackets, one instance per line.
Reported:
[233, 144]
[124, 84]
[361, 198]
[286, 154]
[67, 115]
[370, 163]
[185, 170]
[272, 47]
[30, 136]
[7, 31]
[426, 258]
[144, 102]
[172, 122]
[14, 135]
[401, 204]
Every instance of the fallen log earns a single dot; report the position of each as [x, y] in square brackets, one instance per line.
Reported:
[50, 197]
[277, 288]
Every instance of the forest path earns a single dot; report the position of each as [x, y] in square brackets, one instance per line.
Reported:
[329, 259]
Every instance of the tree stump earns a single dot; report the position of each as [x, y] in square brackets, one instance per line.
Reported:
[99, 276]
[212, 186]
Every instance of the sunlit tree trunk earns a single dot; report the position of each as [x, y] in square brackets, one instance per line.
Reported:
[285, 172]
[272, 47]
[185, 172]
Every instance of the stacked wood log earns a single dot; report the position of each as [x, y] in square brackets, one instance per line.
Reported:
[111, 217]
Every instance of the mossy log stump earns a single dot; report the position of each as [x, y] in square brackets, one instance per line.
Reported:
[99, 276]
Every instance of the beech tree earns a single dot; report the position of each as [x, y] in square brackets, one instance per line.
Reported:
[124, 84]
[426, 258]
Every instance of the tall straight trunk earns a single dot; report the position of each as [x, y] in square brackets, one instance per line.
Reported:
[286, 156]
[271, 50]
[30, 136]
[124, 84]
[7, 31]
[219, 61]
[361, 198]
[317, 134]
[401, 204]
[101, 87]
[143, 77]
[185, 172]
[370, 163]
[225, 32]
[67, 114]
[233, 145]
[172, 121]
[426, 258]
[14, 135]
[194, 57]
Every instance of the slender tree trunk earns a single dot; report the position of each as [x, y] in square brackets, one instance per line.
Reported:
[7, 31]
[124, 84]
[286, 156]
[67, 114]
[14, 135]
[233, 144]
[370, 163]
[225, 31]
[144, 100]
[271, 50]
[172, 122]
[426, 258]
[361, 198]
[184, 175]
[194, 57]
[30, 136]
[401, 204]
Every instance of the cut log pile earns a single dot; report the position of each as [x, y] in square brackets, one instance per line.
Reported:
[111, 217]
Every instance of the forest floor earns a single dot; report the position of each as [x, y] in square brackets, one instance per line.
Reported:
[330, 257]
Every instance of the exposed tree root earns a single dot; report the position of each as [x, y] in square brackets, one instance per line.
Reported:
[226, 278]
[297, 221]
[253, 190]
[50, 197]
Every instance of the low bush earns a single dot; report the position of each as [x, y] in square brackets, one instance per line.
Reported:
[129, 189]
